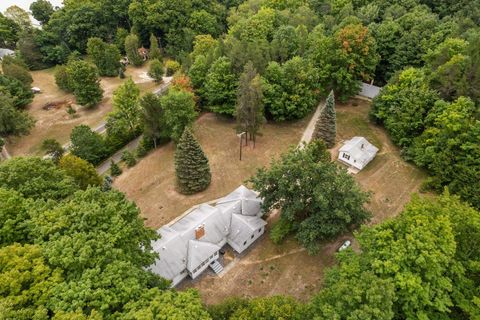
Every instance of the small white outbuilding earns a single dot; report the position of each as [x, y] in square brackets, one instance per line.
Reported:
[357, 152]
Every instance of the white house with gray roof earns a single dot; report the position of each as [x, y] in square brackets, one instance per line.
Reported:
[6, 52]
[369, 90]
[357, 152]
[189, 245]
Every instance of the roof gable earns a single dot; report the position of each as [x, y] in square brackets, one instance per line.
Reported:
[243, 226]
[250, 202]
[198, 252]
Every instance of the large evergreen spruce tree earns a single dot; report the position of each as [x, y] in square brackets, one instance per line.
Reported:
[326, 126]
[191, 165]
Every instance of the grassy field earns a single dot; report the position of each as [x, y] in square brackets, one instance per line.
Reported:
[267, 269]
[151, 183]
[56, 123]
[388, 176]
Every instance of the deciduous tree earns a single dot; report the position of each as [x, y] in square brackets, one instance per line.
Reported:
[318, 200]
[174, 305]
[27, 282]
[179, 112]
[125, 105]
[155, 52]
[13, 121]
[42, 10]
[132, 43]
[85, 83]
[291, 89]
[15, 225]
[156, 71]
[19, 16]
[105, 56]
[53, 148]
[403, 106]
[87, 144]
[9, 31]
[153, 118]
[449, 148]
[17, 69]
[82, 172]
[62, 79]
[36, 178]
[220, 87]
[172, 67]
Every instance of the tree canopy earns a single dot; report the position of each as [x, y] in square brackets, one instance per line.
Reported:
[36, 178]
[318, 200]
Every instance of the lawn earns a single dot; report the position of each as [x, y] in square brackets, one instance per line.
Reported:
[151, 183]
[268, 269]
[56, 123]
[388, 176]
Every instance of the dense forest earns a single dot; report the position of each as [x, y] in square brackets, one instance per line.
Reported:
[73, 248]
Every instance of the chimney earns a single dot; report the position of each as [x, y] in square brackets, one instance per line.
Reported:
[199, 232]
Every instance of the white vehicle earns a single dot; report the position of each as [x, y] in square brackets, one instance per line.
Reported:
[345, 245]
[36, 90]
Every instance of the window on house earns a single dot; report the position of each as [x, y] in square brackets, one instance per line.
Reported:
[245, 243]
[346, 156]
[251, 237]
[260, 230]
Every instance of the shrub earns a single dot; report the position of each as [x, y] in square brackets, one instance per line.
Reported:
[172, 67]
[62, 80]
[115, 170]
[53, 148]
[156, 70]
[80, 170]
[129, 158]
[145, 146]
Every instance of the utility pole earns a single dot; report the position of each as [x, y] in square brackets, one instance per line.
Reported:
[240, 136]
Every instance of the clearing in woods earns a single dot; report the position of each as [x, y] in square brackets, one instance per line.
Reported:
[54, 123]
[151, 183]
[267, 269]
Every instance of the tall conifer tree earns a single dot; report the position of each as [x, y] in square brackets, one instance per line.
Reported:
[191, 165]
[326, 126]
[155, 52]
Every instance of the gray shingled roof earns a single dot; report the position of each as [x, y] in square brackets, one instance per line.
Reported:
[199, 251]
[172, 251]
[251, 203]
[217, 225]
[243, 226]
[178, 247]
[354, 148]
[369, 90]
